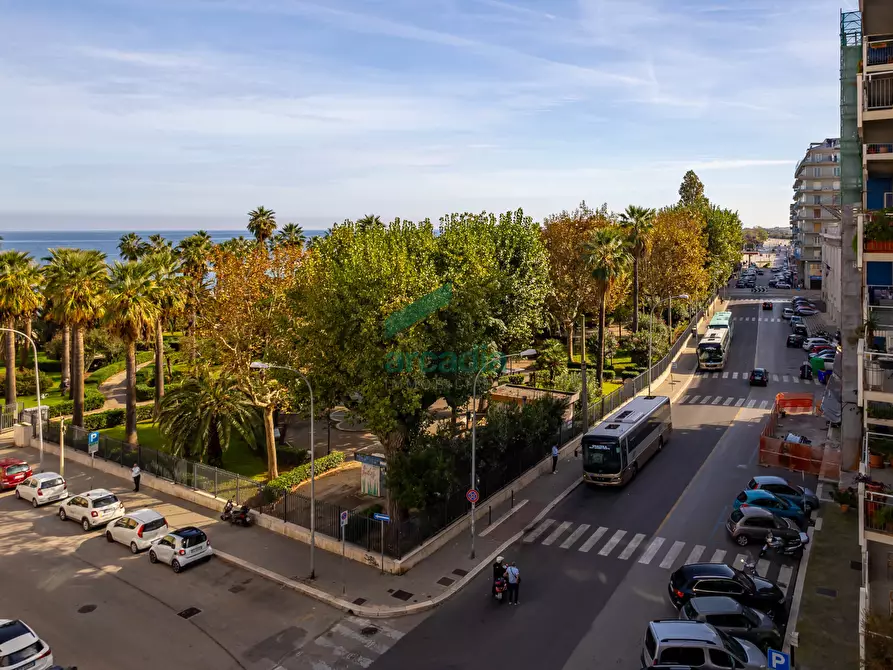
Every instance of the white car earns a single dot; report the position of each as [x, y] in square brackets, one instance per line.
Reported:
[139, 530]
[21, 648]
[787, 313]
[182, 547]
[782, 285]
[93, 508]
[42, 488]
[813, 341]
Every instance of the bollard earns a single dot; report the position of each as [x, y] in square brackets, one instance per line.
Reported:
[513, 499]
[490, 515]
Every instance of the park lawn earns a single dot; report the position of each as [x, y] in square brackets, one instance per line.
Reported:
[609, 387]
[53, 395]
[147, 434]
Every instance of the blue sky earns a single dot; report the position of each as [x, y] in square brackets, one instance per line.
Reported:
[180, 113]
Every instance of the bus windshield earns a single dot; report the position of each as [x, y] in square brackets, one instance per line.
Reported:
[601, 455]
[710, 353]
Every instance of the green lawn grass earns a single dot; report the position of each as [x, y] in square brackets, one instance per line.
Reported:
[609, 387]
[53, 395]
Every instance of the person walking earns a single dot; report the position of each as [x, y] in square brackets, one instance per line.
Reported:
[135, 473]
[513, 576]
[554, 458]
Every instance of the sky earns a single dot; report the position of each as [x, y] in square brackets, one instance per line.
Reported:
[132, 114]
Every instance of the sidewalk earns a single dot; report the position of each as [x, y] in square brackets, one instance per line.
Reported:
[350, 585]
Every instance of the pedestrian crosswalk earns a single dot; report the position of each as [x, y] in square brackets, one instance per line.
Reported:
[744, 376]
[766, 319]
[352, 642]
[724, 401]
[655, 551]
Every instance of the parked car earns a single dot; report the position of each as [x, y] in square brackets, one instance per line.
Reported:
[768, 501]
[782, 285]
[787, 313]
[44, 487]
[739, 284]
[795, 320]
[761, 272]
[93, 508]
[805, 311]
[182, 547]
[795, 340]
[759, 377]
[767, 305]
[822, 349]
[20, 647]
[675, 643]
[735, 619]
[12, 472]
[801, 330]
[813, 341]
[752, 524]
[138, 530]
[773, 283]
[718, 579]
[781, 487]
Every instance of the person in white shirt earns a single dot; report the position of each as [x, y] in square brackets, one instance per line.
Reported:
[135, 473]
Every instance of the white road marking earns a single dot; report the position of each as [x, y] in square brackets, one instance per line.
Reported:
[693, 399]
[632, 546]
[542, 528]
[795, 380]
[716, 400]
[715, 375]
[651, 550]
[725, 375]
[784, 578]
[818, 522]
[785, 378]
[728, 401]
[763, 567]
[341, 652]
[672, 554]
[613, 542]
[695, 554]
[351, 634]
[718, 556]
[764, 404]
[576, 535]
[706, 398]
[775, 378]
[505, 516]
[558, 532]
[740, 402]
[734, 375]
[751, 403]
[591, 542]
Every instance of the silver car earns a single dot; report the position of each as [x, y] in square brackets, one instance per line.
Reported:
[42, 488]
[697, 645]
[138, 530]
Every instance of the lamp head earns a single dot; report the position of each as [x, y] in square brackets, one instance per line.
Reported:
[259, 365]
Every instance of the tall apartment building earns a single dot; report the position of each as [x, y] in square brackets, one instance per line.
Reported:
[816, 197]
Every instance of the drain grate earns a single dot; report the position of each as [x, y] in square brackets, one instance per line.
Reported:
[368, 631]
[86, 609]
[830, 593]
[400, 594]
[189, 612]
[359, 601]
[236, 589]
[460, 572]
[445, 581]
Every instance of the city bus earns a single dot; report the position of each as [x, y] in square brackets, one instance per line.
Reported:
[615, 450]
[713, 349]
[722, 320]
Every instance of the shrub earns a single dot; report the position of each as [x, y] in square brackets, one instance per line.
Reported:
[25, 382]
[93, 400]
[107, 419]
[608, 375]
[288, 480]
[516, 379]
[629, 374]
[291, 457]
[102, 374]
[144, 392]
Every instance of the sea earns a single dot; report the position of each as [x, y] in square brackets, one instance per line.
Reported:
[38, 243]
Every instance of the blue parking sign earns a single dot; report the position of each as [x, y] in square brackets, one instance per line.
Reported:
[778, 660]
[93, 437]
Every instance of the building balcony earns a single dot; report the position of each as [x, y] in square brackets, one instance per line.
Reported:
[877, 234]
[877, 54]
[877, 97]
[878, 517]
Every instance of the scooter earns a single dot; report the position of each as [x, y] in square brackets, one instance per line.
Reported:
[784, 547]
[239, 516]
[499, 589]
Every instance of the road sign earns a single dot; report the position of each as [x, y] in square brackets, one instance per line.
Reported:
[675, 365]
[93, 442]
[381, 517]
[778, 660]
[344, 517]
[472, 496]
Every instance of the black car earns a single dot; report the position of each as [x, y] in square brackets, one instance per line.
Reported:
[739, 284]
[759, 377]
[760, 272]
[735, 619]
[800, 329]
[795, 340]
[718, 579]
[773, 283]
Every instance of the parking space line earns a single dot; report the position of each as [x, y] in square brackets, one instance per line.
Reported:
[539, 530]
[613, 542]
[784, 578]
[651, 550]
[763, 567]
[632, 546]
[695, 554]
[558, 532]
[593, 540]
[718, 556]
[576, 535]
[672, 554]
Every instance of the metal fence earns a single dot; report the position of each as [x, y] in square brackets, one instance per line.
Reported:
[10, 415]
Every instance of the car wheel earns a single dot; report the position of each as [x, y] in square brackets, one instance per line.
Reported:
[18, 495]
[85, 524]
[742, 540]
[108, 536]
[175, 564]
[152, 557]
[62, 514]
[34, 503]
[133, 548]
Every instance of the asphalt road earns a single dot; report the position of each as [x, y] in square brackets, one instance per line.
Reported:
[588, 608]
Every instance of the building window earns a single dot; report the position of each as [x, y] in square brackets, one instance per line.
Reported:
[837, 186]
[816, 172]
[817, 213]
[817, 158]
[837, 172]
[816, 200]
[816, 186]
[835, 199]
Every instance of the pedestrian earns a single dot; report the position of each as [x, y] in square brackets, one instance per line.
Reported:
[554, 458]
[135, 473]
[513, 576]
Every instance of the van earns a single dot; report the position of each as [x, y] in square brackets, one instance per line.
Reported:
[700, 645]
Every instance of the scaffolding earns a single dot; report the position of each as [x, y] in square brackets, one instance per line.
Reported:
[850, 144]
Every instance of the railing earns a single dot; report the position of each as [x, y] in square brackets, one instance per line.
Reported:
[879, 52]
[877, 372]
[882, 316]
[879, 512]
[10, 415]
[878, 93]
[878, 148]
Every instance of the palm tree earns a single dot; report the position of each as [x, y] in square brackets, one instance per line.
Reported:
[291, 235]
[638, 223]
[262, 223]
[238, 246]
[195, 259]
[369, 221]
[157, 243]
[172, 300]
[608, 260]
[20, 282]
[76, 281]
[131, 311]
[131, 247]
[552, 356]
[198, 417]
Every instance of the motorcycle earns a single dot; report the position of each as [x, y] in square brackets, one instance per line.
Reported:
[500, 587]
[784, 547]
[239, 516]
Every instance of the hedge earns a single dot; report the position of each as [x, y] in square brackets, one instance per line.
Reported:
[629, 374]
[516, 379]
[115, 417]
[290, 457]
[608, 374]
[288, 480]
[102, 374]
[144, 392]
[25, 382]
[93, 400]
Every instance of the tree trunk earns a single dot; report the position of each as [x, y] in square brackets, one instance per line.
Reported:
[569, 326]
[130, 411]
[602, 313]
[72, 361]
[26, 349]
[77, 373]
[10, 363]
[215, 448]
[159, 366]
[66, 357]
[270, 439]
[636, 293]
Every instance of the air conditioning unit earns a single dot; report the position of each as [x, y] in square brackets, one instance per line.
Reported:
[888, 199]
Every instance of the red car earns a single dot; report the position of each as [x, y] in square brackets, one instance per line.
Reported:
[12, 472]
[821, 348]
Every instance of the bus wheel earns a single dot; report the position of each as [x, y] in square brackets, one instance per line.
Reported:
[635, 471]
[660, 443]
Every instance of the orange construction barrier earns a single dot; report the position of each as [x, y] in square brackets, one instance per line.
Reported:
[795, 403]
[814, 459]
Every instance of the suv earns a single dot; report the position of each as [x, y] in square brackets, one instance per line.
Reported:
[21, 648]
[13, 471]
[718, 579]
[735, 619]
[692, 643]
[93, 508]
[754, 523]
[182, 547]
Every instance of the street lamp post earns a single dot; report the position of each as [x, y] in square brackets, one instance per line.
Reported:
[526, 352]
[681, 296]
[37, 385]
[259, 365]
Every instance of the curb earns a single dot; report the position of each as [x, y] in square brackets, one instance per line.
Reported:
[790, 632]
[378, 612]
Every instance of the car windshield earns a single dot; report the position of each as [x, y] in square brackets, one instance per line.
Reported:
[601, 455]
[16, 469]
[732, 646]
[20, 655]
[105, 501]
[50, 483]
[155, 524]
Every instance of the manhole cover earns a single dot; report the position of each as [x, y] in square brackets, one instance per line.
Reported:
[359, 601]
[400, 594]
[830, 593]
[236, 589]
[189, 612]
[368, 631]
[86, 609]
[445, 581]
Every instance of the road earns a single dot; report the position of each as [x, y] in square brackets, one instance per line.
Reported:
[101, 608]
[597, 571]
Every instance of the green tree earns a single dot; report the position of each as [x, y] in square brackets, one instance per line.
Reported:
[238, 246]
[131, 311]
[76, 282]
[369, 221]
[199, 416]
[691, 192]
[132, 247]
[158, 243]
[291, 234]
[638, 223]
[724, 243]
[262, 223]
[20, 283]
[195, 260]
[166, 270]
[609, 260]
[552, 357]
